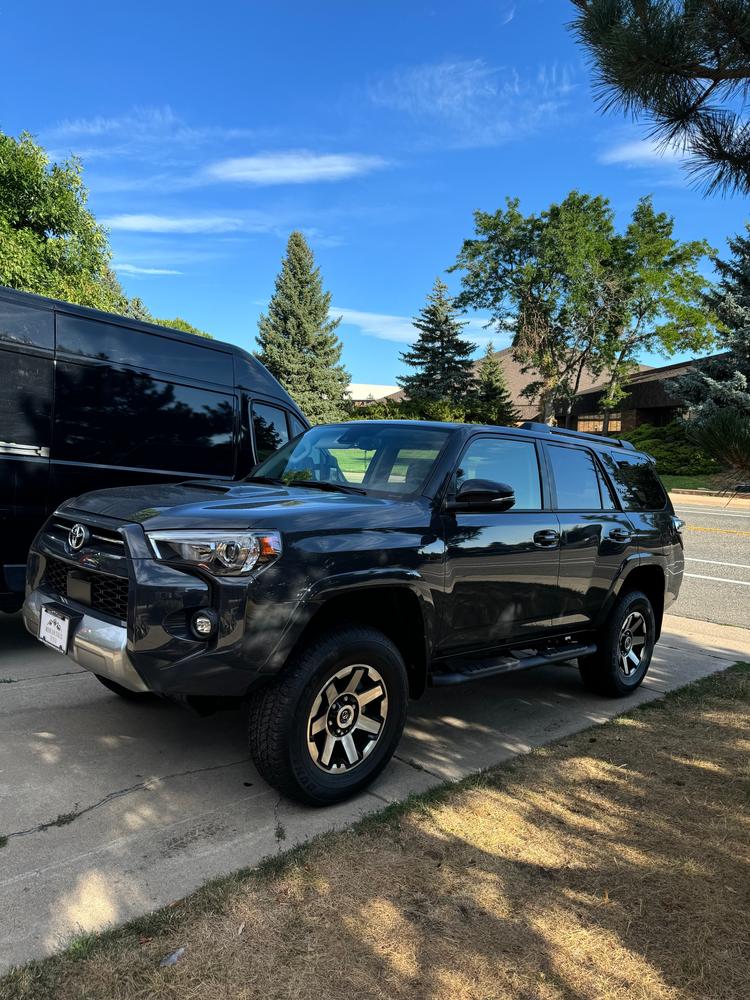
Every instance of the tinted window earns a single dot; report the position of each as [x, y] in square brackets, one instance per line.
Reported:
[296, 425]
[504, 460]
[25, 400]
[23, 325]
[636, 482]
[124, 346]
[269, 427]
[576, 479]
[122, 418]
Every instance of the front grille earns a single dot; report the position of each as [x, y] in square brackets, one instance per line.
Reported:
[108, 593]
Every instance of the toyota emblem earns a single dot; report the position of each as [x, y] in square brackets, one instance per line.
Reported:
[78, 536]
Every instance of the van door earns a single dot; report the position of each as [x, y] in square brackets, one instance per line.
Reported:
[26, 365]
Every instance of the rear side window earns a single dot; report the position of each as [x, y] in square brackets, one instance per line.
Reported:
[120, 418]
[26, 327]
[504, 460]
[269, 428]
[576, 479]
[636, 482]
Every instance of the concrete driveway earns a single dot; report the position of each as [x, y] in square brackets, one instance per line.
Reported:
[112, 809]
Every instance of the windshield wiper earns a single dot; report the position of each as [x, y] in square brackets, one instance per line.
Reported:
[317, 484]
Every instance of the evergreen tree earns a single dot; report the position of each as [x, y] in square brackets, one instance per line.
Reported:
[724, 382]
[441, 358]
[297, 338]
[493, 403]
[682, 67]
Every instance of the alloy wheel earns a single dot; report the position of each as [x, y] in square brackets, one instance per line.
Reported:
[632, 643]
[347, 718]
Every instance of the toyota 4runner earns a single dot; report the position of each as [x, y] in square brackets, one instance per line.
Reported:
[356, 565]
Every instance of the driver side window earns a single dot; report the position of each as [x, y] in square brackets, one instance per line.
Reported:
[504, 460]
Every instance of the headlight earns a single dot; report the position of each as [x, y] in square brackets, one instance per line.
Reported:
[217, 552]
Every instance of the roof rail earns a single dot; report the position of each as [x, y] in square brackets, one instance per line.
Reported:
[540, 428]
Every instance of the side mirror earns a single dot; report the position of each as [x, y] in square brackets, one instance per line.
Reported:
[483, 494]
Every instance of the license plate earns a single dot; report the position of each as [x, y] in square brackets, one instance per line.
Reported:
[53, 629]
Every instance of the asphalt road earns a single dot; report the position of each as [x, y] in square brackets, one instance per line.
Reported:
[716, 586]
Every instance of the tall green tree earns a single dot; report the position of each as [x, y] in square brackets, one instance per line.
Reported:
[683, 68]
[297, 338]
[50, 243]
[581, 297]
[440, 356]
[724, 382]
[492, 402]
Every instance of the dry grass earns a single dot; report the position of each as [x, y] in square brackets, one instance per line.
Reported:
[614, 864]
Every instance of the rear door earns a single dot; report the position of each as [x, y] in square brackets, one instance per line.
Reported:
[597, 537]
[501, 567]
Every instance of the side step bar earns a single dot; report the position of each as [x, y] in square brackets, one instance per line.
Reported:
[477, 669]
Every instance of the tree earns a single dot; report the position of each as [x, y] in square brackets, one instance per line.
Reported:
[724, 382]
[50, 243]
[440, 357]
[582, 298]
[297, 338]
[182, 324]
[493, 403]
[682, 66]
[725, 434]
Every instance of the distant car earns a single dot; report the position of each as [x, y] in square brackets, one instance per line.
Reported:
[90, 400]
[356, 565]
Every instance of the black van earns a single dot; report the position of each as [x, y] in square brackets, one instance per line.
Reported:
[90, 400]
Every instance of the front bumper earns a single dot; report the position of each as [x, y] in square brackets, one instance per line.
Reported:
[94, 644]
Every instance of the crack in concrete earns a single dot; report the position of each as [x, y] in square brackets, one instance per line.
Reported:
[65, 818]
[417, 766]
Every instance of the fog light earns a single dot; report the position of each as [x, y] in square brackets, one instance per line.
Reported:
[203, 624]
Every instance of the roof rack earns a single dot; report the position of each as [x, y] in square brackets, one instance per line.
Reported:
[540, 428]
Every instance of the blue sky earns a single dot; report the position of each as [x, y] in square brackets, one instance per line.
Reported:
[208, 132]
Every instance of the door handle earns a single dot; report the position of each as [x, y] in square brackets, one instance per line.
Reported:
[546, 539]
[620, 534]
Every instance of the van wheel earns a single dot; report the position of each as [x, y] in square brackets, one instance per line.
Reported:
[332, 720]
[123, 692]
[626, 644]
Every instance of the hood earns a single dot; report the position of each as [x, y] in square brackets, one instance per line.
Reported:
[220, 505]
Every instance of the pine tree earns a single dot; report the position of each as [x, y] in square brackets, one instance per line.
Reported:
[493, 403]
[440, 357]
[724, 382]
[297, 338]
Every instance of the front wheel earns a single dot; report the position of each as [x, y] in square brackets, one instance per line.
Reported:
[626, 644]
[331, 722]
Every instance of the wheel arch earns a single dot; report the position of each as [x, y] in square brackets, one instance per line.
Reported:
[650, 578]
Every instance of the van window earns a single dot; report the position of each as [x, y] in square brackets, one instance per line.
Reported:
[295, 426]
[504, 460]
[269, 429]
[576, 479]
[25, 401]
[636, 481]
[23, 326]
[123, 345]
[112, 417]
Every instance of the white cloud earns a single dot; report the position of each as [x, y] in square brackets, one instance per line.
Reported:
[292, 167]
[136, 270]
[144, 223]
[400, 329]
[473, 103]
[641, 153]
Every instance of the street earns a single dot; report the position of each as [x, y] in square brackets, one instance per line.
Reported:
[716, 587]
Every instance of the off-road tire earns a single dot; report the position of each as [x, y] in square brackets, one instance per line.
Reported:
[279, 715]
[603, 672]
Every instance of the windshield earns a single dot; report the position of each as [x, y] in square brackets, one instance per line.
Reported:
[378, 458]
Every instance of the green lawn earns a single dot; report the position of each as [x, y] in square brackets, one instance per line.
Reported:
[704, 482]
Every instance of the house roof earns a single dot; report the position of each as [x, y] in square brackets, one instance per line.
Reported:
[647, 373]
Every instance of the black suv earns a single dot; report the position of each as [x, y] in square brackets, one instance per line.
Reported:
[357, 564]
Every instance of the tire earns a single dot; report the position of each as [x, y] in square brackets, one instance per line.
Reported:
[123, 692]
[631, 619]
[332, 720]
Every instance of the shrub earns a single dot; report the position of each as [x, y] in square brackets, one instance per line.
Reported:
[675, 453]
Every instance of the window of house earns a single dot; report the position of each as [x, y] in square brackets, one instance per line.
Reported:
[593, 423]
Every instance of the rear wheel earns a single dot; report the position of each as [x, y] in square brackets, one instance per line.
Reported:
[331, 722]
[626, 644]
[123, 692]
